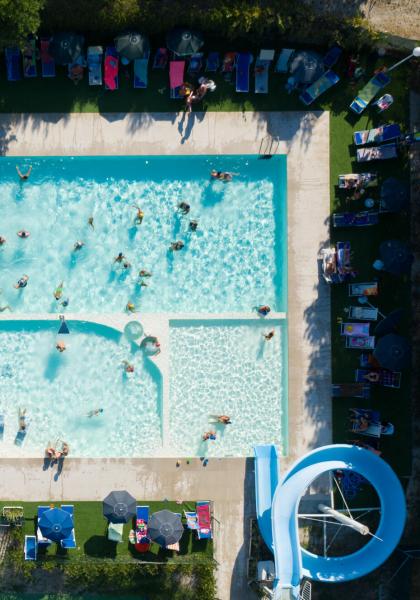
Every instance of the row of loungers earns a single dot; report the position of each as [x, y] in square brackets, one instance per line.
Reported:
[33, 542]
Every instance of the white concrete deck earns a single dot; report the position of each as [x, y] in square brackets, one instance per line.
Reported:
[304, 137]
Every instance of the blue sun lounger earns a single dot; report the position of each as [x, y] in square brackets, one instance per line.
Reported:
[161, 58]
[69, 542]
[367, 93]
[94, 63]
[243, 62]
[196, 63]
[12, 56]
[386, 133]
[31, 547]
[321, 85]
[21, 435]
[283, 60]
[47, 61]
[42, 541]
[29, 63]
[332, 56]
[1, 426]
[140, 72]
[359, 219]
[384, 152]
[262, 66]
[213, 62]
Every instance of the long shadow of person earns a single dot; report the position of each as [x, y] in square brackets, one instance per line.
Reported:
[60, 465]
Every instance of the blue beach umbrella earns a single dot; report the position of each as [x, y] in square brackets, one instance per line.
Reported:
[184, 42]
[56, 524]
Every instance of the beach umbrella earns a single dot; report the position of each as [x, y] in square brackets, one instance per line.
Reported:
[389, 323]
[306, 67]
[393, 352]
[132, 45]
[165, 527]
[66, 48]
[56, 524]
[184, 42]
[394, 195]
[119, 506]
[396, 257]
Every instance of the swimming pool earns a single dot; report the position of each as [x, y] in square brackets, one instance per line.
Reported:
[58, 391]
[228, 368]
[235, 260]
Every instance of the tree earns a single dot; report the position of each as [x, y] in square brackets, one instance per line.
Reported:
[18, 18]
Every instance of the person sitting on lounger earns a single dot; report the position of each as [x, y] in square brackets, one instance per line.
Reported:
[24, 176]
[76, 73]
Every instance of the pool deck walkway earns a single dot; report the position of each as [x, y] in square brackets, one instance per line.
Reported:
[304, 137]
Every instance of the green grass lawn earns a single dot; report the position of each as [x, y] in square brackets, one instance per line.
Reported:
[60, 95]
[92, 542]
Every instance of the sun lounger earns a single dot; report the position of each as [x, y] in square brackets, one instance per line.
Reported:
[332, 56]
[94, 63]
[161, 58]
[360, 219]
[283, 60]
[115, 532]
[196, 63]
[262, 66]
[47, 61]
[367, 93]
[384, 152]
[1, 426]
[42, 541]
[386, 133]
[203, 520]
[363, 289]
[229, 64]
[391, 379]
[176, 78]
[243, 63]
[191, 518]
[321, 85]
[329, 266]
[213, 62]
[363, 313]
[358, 342]
[360, 415]
[29, 58]
[351, 390]
[111, 69]
[69, 542]
[355, 329]
[31, 547]
[12, 56]
[343, 258]
[352, 180]
[384, 102]
[140, 72]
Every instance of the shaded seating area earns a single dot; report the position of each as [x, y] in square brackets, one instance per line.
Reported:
[359, 219]
[353, 180]
[391, 379]
[94, 64]
[261, 71]
[12, 57]
[140, 66]
[47, 60]
[321, 85]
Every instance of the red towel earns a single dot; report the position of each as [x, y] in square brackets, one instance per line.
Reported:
[203, 516]
[111, 72]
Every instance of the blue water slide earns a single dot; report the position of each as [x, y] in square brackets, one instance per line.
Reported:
[293, 562]
[267, 477]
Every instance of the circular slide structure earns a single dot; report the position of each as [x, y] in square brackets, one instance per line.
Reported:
[292, 562]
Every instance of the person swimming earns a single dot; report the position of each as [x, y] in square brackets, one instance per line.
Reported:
[22, 282]
[90, 222]
[95, 413]
[23, 234]
[65, 302]
[126, 265]
[193, 225]
[119, 258]
[78, 245]
[130, 307]
[2, 240]
[184, 208]
[144, 273]
[263, 310]
[268, 336]
[176, 246]
[24, 176]
[128, 367]
[222, 175]
[139, 216]
[59, 291]
[60, 346]
[209, 435]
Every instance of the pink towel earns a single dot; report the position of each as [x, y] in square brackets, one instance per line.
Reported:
[176, 73]
[111, 72]
[203, 516]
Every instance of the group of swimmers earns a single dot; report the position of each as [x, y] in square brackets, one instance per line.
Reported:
[221, 419]
[56, 455]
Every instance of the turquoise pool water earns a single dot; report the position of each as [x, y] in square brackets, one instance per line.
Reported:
[235, 260]
[228, 368]
[58, 390]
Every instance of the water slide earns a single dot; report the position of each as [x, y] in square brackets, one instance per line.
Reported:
[293, 562]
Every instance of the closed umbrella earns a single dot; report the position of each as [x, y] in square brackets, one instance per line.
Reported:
[394, 195]
[66, 48]
[184, 42]
[306, 67]
[56, 524]
[119, 506]
[389, 323]
[396, 257]
[165, 527]
[393, 352]
[132, 45]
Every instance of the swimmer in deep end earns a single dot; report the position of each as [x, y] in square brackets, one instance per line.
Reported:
[184, 208]
[176, 246]
[139, 216]
[95, 413]
[193, 225]
[78, 245]
[23, 234]
[22, 282]
[24, 176]
[144, 273]
[126, 265]
[90, 222]
[59, 291]
[119, 258]
[222, 175]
